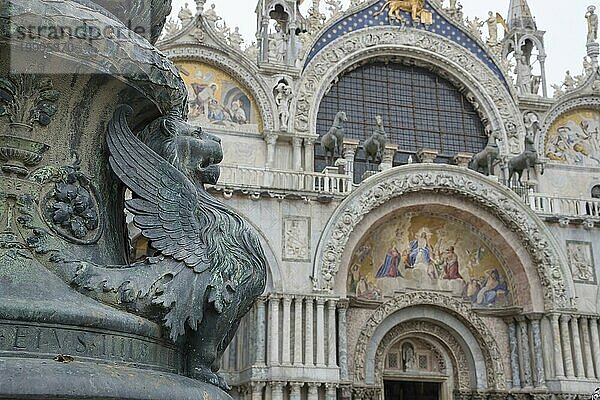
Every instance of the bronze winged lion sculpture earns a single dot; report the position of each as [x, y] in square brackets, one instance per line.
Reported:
[209, 265]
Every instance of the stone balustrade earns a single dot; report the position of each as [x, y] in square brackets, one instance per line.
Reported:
[259, 178]
[554, 205]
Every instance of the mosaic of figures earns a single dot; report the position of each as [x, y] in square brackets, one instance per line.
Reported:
[582, 261]
[575, 138]
[428, 252]
[217, 99]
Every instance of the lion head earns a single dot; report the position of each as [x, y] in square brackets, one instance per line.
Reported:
[187, 147]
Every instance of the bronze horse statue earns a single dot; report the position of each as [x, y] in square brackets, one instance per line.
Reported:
[484, 161]
[524, 161]
[375, 145]
[333, 140]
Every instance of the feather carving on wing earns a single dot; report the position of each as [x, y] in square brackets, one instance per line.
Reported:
[164, 209]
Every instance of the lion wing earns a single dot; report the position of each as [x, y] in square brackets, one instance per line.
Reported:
[165, 207]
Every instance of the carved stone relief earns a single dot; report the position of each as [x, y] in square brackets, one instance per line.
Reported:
[493, 197]
[581, 259]
[296, 239]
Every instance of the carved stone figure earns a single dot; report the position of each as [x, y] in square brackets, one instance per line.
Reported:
[283, 98]
[185, 15]
[582, 264]
[396, 7]
[569, 82]
[278, 45]
[484, 160]
[211, 16]
[492, 23]
[333, 140]
[592, 22]
[375, 145]
[334, 6]
[524, 78]
[192, 285]
[236, 39]
[475, 26]
[528, 158]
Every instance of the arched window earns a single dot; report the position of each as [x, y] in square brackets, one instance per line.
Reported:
[419, 108]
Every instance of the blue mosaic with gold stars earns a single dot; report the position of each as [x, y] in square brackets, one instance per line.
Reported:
[370, 17]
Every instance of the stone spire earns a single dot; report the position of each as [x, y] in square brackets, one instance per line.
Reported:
[525, 43]
[519, 15]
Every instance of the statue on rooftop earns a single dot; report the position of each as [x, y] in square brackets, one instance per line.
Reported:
[592, 22]
[375, 145]
[211, 16]
[283, 98]
[236, 39]
[185, 15]
[524, 76]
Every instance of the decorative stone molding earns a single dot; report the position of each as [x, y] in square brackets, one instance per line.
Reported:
[246, 75]
[486, 194]
[485, 338]
[494, 101]
[422, 330]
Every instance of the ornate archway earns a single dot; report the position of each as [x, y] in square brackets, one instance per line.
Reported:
[473, 347]
[495, 199]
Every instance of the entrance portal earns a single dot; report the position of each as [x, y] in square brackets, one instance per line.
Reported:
[401, 390]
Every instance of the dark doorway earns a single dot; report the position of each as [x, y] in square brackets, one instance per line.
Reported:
[411, 390]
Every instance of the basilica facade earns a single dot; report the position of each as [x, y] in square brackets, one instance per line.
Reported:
[430, 215]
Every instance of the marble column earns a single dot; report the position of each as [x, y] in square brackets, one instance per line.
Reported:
[273, 330]
[587, 348]
[525, 353]
[538, 358]
[566, 340]
[260, 332]
[320, 332]
[514, 353]
[388, 157]
[577, 355]
[298, 328]
[277, 390]
[295, 388]
[343, 339]
[271, 139]
[313, 391]
[350, 147]
[286, 351]
[257, 390]
[297, 153]
[332, 334]
[309, 336]
[559, 369]
[595, 339]
[309, 154]
[331, 391]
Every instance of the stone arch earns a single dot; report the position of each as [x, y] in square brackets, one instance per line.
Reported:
[451, 317]
[444, 344]
[495, 100]
[545, 253]
[241, 69]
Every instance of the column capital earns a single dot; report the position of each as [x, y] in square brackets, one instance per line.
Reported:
[261, 300]
[320, 301]
[297, 141]
[277, 384]
[343, 304]
[331, 385]
[287, 298]
[310, 141]
[331, 303]
[313, 386]
[565, 318]
[257, 385]
[296, 385]
[271, 138]
[275, 296]
[535, 316]
[299, 297]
